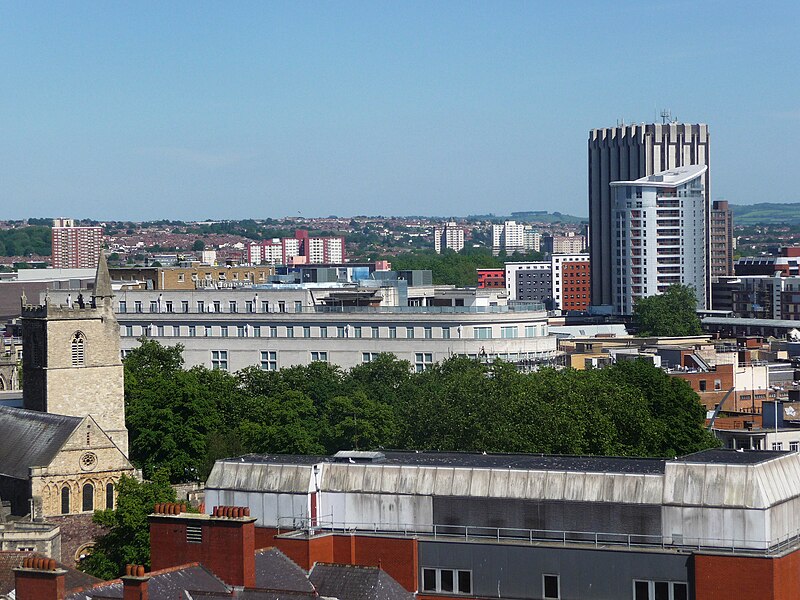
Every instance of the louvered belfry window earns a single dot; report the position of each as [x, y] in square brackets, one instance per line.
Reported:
[78, 349]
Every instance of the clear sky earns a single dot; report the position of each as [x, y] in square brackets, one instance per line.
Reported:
[188, 110]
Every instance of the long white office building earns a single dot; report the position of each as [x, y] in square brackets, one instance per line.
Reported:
[232, 329]
[659, 233]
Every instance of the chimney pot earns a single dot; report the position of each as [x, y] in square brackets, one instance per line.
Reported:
[140, 571]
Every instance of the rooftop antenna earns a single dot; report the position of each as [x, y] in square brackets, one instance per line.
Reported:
[666, 116]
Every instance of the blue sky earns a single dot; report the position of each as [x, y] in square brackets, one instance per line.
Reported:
[189, 110]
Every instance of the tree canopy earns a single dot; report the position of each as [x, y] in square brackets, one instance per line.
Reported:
[127, 540]
[183, 420]
[671, 314]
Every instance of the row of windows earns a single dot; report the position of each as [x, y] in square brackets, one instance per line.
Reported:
[268, 359]
[459, 581]
[306, 331]
[87, 498]
[214, 306]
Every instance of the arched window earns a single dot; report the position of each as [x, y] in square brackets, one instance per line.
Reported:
[109, 496]
[78, 349]
[88, 497]
[2, 383]
[65, 500]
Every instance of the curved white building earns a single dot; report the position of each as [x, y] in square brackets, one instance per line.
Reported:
[659, 232]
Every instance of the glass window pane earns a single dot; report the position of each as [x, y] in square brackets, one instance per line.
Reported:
[446, 580]
[464, 582]
[551, 586]
[680, 591]
[662, 590]
[641, 590]
[429, 580]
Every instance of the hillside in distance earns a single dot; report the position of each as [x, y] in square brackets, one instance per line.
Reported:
[766, 213]
[531, 216]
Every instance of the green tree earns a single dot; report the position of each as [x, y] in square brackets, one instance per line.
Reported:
[127, 540]
[671, 314]
[198, 246]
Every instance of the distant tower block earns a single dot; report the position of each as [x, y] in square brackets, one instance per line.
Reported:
[71, 359]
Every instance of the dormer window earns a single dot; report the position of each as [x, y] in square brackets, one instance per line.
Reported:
[78, 349]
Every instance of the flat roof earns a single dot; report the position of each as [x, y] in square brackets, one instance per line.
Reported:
[669, 178]
[523, 462]
[724, 456]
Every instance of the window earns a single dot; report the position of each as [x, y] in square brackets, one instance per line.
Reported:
[367, 357]
[392, 332]
[154, 306]
[241, 331]
[207, 331]
[265, 306]
[88, 497]
[356, 332]
[129, 330]
[201, 306]
[445, 333]
[530, 331]
[340, 331]
[660, 590]
[248, 306]
[410, 333]
[508, 332]
[160, 331]
[777, 445]
[219, 360]
[232, 306]
[281, 306]
[319, 357]
[551, 587]
[450, 581]
[376, 332]
[78, 348]
[298, 306]
[168, 305]
[323, 332]
[223, 330]
[428, 333]
[137, 306]
[217, 306]
[123, 306]
[289, 331]
[794, 446]
[256, 330]
[109, 496]
[422, 361]
[273, 331]
[65, 500]
[306, 331]
[269, 360]
[702, 385]
[482, 333]
[185, 306]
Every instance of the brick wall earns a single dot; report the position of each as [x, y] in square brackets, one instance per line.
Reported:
[747, 578]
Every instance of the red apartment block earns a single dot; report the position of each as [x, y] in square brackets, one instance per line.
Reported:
[575, 285]
[491, 278]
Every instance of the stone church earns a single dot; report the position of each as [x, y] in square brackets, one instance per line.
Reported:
[61, 454]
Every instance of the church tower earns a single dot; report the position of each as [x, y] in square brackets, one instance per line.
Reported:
[71, 359]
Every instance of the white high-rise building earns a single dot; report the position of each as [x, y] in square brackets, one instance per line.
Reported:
[627, 153]
[659, 235]
[450, 236]
[510, 236]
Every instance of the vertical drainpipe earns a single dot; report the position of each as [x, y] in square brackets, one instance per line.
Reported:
[315, 497]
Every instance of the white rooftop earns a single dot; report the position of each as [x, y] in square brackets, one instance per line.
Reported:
[669, 178]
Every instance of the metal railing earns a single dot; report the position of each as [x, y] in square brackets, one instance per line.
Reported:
[595, 539]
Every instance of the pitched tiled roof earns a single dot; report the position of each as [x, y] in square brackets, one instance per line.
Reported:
[166, 584]
[275, 571]
[31, 439]
[350, 582]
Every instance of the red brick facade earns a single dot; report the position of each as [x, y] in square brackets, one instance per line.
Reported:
[746, 578]
[491, 278]
[396, 556]
[575, 286]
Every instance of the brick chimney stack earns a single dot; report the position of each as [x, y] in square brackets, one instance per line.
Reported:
[134, 583]
[224, 541]
[39, 579]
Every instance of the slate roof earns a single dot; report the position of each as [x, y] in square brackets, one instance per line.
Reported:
[275, 571]
[31, 439]
[10, 560]
[163, 585]
[350, 582]
[731, 457]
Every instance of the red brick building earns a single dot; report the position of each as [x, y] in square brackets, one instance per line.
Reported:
[491, 278]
